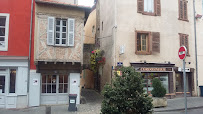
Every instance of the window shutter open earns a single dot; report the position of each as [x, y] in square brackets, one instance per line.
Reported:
[156, 42]
[50, 31]
[180, 9]
[71, 29]
[185, 10]
[181, 39]
[187, 44]
[140, 6]
[158, 7]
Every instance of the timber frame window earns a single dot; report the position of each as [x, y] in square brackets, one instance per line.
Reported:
[149, 7]
[183, 14]
[60, 32]
[184, 41]
[4, 28]
[147, 42]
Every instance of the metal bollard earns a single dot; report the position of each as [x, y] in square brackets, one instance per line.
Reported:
[48, 109]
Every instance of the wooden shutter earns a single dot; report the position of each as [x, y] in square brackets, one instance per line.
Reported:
[158, 7]
[185, 10]
[187, 44]
[182, 42]
[180, 9]
[140, 6]
[50, 31]
[156, 42]
[71, 29]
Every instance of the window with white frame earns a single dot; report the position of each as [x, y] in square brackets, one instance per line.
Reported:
[149, 6]
[4, 27]
[60, 32]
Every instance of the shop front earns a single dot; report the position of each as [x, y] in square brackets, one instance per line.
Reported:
[164, 72]
[56, 81]
[180, 82]
[13, 82]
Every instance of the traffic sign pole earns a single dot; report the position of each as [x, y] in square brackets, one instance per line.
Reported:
[182, 53]
[184, 76]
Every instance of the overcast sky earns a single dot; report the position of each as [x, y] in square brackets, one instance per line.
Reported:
[86, 2]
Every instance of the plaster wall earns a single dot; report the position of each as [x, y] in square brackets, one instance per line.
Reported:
[127, 21]
[199, 10]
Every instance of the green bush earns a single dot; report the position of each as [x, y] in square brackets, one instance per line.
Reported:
[126, 95]
[158, 88]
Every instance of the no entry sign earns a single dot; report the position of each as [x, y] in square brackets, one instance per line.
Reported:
[182, 52]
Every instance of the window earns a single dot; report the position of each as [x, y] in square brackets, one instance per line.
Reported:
[49, 84]
[12, 81]
[183, 10]
[184, 42]
[4, 27]
[142, 43]
[60, 32]
[147, 42]
[63, 84]
[148, 77]
[149, 7]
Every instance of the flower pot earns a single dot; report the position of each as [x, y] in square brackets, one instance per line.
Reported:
[159, 101]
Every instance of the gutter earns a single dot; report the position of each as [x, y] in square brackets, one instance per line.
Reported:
[30, 45]
[65, 5]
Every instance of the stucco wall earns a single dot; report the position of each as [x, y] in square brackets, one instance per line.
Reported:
[106, 34]
[199, 29]
[90, 28]
[43, 52]
[128, 20]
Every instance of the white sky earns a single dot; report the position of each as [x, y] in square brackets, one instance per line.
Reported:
[86, 2]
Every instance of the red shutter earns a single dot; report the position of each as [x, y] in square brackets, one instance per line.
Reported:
[140, 6]
[185, 10]
[158, 7]
[156, 42]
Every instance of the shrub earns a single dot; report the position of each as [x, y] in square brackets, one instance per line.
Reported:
[158, 88]
[126, 95]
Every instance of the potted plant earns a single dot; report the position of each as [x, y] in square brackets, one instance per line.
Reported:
[158, 94]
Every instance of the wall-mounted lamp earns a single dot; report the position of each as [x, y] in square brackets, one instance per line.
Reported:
[198, 16]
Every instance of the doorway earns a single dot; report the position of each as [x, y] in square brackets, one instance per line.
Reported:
[2, 90]
[54, 89]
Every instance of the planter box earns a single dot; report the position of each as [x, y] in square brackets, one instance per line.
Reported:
[159, 102]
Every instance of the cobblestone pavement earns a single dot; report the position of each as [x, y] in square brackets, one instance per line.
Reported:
[92, 106]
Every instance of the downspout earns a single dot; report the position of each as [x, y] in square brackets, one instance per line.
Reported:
[30, 45]
[115, 27]
[196, 61]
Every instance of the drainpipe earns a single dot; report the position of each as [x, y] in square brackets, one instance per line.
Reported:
[115, 27]
[196, 61]
[30, 44]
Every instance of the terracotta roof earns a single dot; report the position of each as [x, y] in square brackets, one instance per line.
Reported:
[63, 4]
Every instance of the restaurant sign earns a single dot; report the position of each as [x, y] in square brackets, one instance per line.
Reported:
[154, 69]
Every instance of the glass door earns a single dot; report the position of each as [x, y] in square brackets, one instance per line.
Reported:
[2, 84]
[2, 90]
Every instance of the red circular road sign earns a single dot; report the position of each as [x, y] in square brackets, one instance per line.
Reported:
[182, 52]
